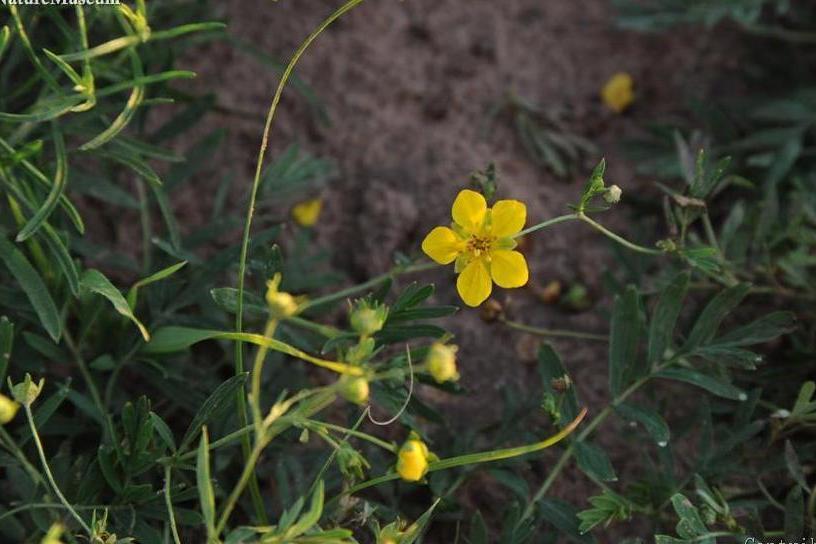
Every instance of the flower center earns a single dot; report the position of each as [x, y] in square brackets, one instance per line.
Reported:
[478, 244]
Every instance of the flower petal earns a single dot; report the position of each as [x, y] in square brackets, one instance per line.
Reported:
[508, 268]
[469, 210]
[474, 283]
[442, 245]
[508, 217]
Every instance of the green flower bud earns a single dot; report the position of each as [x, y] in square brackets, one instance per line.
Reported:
[27, 391]
[351, 463]
[360, 352]
[368, 318]
[441, 362]
[354, 388]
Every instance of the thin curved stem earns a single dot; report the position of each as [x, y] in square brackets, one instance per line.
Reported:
[622, 241]
[547, 223]
[48, 473]
[256, 183]
[353, 432]
[555, 333]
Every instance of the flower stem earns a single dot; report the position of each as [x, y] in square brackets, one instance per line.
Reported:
[256, 183]
[257, 370]
[312, 424]
[50, 476]
[555, 333]
[547, 223]
[622, 241]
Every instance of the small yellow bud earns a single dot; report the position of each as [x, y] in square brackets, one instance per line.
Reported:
[412, 460]
[8, 409]
[367, 318]
[53, 535]
[307, 212]
[441, 362]
[281, 304]
[618, 92]
[354, 388]
[613, 195]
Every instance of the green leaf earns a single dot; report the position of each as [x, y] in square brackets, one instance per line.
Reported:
[650, 419]
[216, 403]
[562, 515]
[762, 330]
[206, 495]
[163, 430]
[153, 278]
[227, 299]
[705, 328]
[664, 318]
[551, 368]
[478, 529]
[594, 461]
[794, 515]
[33, 286]
[623, 340]
[57, 188]
[606, 508]
[691, 525]
[709, 383]
[795, 466]
[96, 282]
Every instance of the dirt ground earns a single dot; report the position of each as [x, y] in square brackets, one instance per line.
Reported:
[407, 85]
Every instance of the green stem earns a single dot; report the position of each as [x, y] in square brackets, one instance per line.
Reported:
[256, 183]
[556, 333]
[169, 502]
[373, 282]
[257, 371]
[622, 241]
[8, 442]
[48, 474]
[314, 425]
[246, 475]
[547, 223]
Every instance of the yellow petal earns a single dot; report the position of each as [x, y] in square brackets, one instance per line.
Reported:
[306, 213]
[508, 268]
[442, 245]
[508, 217]
[469, 210]
[474, 283]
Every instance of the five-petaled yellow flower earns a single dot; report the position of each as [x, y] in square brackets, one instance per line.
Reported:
[413, 459]
[481, 242]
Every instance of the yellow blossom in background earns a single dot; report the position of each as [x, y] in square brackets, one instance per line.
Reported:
[481, 242]
[54, 534]
[281, 304]
[8, 409]
[412, 459]
[441, 362]
[618, 92]
[307, 212]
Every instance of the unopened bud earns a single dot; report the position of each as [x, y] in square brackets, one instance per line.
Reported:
[354, 388]
[8, 409]
[441, 362]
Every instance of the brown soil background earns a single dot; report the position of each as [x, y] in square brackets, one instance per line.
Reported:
[408, 86]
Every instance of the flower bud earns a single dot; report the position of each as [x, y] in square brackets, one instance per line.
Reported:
[352, 464]
[354, 388]
[8, 409]
[281, 304]
[613, 194]
[441, 362]
[368, 318]
[26, 392]
[412, 459]
[360, 352]
[54, 534]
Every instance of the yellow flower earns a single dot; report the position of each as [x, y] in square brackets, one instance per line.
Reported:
[441, 362]
[8, 409]
[412, 459]
[54, 534]
[618, 92]
[307, 212]
[481, 242]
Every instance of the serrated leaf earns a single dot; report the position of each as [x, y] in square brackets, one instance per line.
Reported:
[705, 328]
[664, 317]
[709, 383]
[623, 340]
